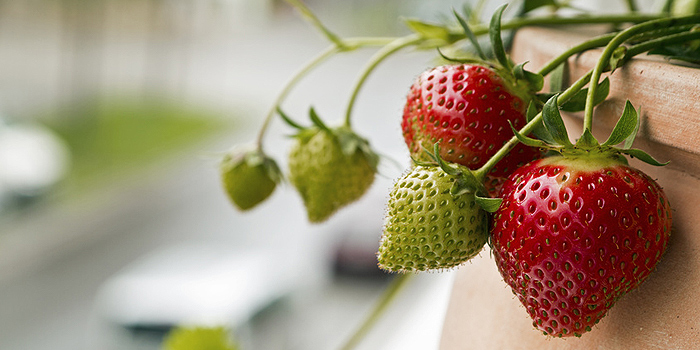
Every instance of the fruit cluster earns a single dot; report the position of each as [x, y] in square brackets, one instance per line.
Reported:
[571, 226]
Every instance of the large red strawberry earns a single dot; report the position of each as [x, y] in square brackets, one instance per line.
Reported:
[466, 109]
[577, 231]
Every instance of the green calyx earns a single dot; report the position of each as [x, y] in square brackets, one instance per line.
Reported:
[249, 177]
[466, 181]
[552, 135]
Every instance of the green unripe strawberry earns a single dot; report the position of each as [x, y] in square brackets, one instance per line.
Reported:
[198, 338]
[330, 169]
[433, 221]
[248, 177]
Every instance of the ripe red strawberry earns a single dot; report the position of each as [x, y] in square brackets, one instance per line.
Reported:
[574, 234]
[466, 109]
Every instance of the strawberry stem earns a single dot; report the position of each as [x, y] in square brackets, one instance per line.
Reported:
[383, 303]
[349, 45]
[480, 173]
[374, 61]
[617, 41]
[587, 45]
[311, 17]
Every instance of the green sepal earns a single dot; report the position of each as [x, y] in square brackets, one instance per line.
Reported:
[470, 60]
[554, 123]
[577, 102]
[470, 35]
[630, 139]
[289, 120]
[499, 50]
[536, 81]
[625, 127]
[643, 156]
[587, 140]
[557, 78]
[489, 205]
[350, 143]
[530, 5]
[317, 120]
[528, 141]
[539, 130]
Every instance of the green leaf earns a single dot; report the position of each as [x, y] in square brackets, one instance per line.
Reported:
[554, 123]
[577, 102]
[470, 35]
[427, 30]
[618, 58]
[499, 50]
[488, 204]
[624, 127]
[587, 140]
[643, 156]
[536, 81]
[530, 5]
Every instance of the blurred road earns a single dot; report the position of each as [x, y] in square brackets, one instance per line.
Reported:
[54, 260]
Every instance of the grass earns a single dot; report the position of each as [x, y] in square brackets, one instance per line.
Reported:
[113, 138]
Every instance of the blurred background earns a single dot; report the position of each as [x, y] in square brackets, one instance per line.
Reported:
[113, 226]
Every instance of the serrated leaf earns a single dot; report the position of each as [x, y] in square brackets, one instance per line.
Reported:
[625, 126]
[587, 140]
[643, 156]
[554, 123]
[536, 81]
[528, 141]
[531, 5]
[488, 204]
[470, 35]
[428, 30]
[577, 102]
[499, 50]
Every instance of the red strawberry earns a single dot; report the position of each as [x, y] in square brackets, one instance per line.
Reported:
[574, 234]
[466, 109]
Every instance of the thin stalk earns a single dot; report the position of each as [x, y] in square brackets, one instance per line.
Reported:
[631, 5]
[349, 44]
[619, 39]
[660, 42]
[587, 45]
[480, 173]
[311, 18]
[385, 300]
[375, 60]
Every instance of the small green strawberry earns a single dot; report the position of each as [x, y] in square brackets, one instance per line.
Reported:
[330, 168]
[435, 219]
[249, 177]
[198, 338]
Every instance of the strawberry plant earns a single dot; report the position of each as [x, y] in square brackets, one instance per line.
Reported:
[572, 232]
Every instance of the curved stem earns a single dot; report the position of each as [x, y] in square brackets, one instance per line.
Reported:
[587, 45]
[385, 300]
[349, 44]
[480, 173]
[619, 39]
[311, 17]
[677, 38]
[375, 60]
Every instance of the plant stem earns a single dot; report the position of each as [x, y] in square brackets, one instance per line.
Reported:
[376, 59]
[620, 38]
[587, 45]
[480, 173]
[311, 18]
[349, 44]
[677, 38]
[385, 300]
[631, 5]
